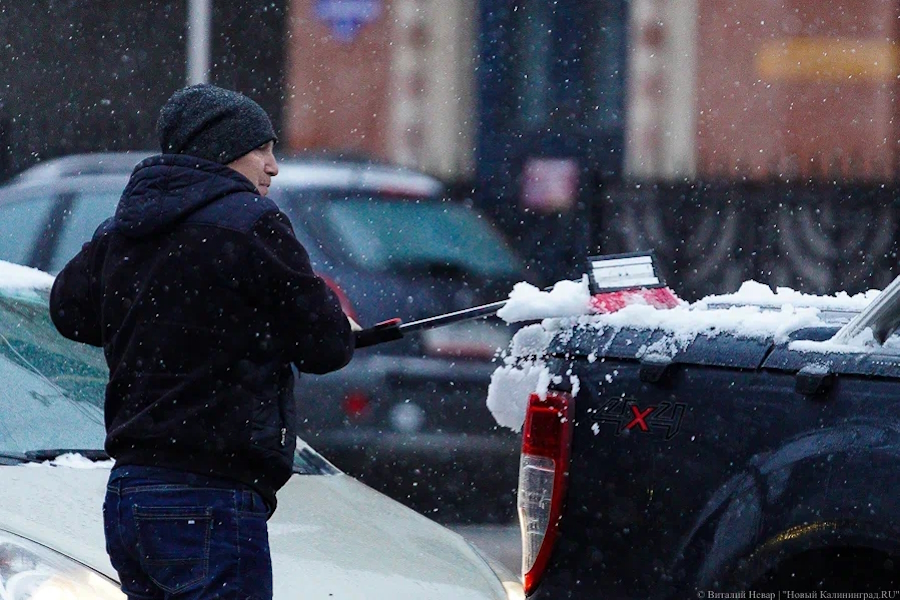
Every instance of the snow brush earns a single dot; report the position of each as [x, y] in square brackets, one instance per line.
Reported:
[614, 280]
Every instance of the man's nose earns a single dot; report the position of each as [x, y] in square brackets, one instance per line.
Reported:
[272, 169]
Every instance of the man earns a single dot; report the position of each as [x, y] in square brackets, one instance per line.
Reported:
[201, 297]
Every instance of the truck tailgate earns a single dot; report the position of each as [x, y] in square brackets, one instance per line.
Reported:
[698, 467]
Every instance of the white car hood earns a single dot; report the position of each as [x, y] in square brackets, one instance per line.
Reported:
[331, 537]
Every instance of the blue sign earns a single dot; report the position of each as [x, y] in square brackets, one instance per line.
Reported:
[347, 17]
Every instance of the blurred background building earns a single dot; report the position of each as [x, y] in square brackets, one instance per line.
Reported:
[737, 140]
[392, 80]
[453, 87]
[761, 91]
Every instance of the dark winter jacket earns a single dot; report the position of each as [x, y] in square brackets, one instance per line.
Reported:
[201, 297]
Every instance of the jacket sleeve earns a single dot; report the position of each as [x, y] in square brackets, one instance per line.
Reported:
[308, 313]
[74, 302]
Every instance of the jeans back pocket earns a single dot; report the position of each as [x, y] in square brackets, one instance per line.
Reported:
[174, 544]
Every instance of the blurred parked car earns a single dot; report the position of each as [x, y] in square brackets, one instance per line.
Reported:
[330, 537]
[408, 418]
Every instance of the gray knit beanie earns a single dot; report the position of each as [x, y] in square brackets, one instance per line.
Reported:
[212, 123]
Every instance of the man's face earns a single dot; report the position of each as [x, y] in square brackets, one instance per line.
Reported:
[258, 166]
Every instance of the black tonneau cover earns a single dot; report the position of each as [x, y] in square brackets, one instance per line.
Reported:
[656, 348]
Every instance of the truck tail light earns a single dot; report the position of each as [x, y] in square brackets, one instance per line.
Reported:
[356, 405]
[543, 472]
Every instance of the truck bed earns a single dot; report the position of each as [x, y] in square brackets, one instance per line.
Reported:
[725, 464]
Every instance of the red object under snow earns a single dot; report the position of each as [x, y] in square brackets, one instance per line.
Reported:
[608, 302]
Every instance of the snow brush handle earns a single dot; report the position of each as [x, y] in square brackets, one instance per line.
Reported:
[386, 331]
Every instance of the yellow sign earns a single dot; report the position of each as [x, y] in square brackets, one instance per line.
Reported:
[827, 59]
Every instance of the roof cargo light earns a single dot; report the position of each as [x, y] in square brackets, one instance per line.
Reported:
[543, 471]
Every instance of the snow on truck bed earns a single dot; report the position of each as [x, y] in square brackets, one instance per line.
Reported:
[754, 311]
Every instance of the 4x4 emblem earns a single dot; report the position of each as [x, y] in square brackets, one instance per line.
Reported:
[625, 413]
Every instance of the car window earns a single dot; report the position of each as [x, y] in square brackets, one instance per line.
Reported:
[380, 233]
[78, 223]
[21, 224]
[53, 389]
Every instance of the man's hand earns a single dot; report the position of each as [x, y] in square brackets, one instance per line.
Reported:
[354, 326]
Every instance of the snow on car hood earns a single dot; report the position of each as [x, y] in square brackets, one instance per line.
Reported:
[23, 282]
[754, 311]
[14, 276]
[331, 537]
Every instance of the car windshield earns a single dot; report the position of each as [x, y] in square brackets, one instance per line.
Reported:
[379, 233]
[53, 388]
[52, 393]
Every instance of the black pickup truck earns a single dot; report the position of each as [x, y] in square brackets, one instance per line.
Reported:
[714, 452]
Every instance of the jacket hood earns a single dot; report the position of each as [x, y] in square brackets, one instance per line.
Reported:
[165, 189]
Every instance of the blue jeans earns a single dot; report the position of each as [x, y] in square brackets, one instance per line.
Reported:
[172, 534]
